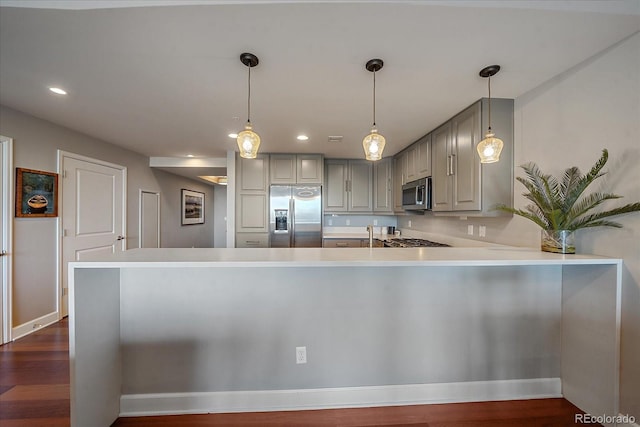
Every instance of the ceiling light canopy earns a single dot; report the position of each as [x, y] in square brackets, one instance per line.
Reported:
[248, 140]
[302, 138]
[490, 147]
[373, 143]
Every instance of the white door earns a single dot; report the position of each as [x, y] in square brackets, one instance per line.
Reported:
[93, 211]
[6, 185]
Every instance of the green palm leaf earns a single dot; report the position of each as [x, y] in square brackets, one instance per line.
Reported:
[596, 219]
[560, 204]
[584, 181]
[585, 205]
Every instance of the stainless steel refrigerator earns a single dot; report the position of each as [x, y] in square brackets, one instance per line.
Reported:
[295, 218]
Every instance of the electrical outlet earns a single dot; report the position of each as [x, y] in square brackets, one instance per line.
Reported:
[348, 222]
[470, 229]
[375, 222]
[409, 223]
[482, 231]
[301, 355]
[330, 222]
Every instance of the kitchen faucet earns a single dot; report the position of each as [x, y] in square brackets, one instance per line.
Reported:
[370, 230]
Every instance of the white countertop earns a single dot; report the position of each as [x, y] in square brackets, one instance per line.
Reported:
[336, 257]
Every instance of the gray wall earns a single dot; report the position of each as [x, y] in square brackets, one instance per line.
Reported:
[361, 326]
[220, 216]
[564, 122]
[35, 265]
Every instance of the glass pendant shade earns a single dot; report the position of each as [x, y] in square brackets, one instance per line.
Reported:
[248, 142]
[373, 145]
[489, 148]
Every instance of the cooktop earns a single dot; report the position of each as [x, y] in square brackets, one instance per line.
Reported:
[412, 243]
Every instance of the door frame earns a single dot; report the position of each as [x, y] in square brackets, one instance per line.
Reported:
[7, 239]
[62, 155]
[141, 192]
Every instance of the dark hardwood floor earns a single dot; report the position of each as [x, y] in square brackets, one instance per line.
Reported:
[34, 392]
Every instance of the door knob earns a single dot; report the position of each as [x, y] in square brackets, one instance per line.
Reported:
[121, 237]
[3, 253]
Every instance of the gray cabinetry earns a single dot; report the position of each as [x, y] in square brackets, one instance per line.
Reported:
[342, 243]
[423, 157]
[282, 168]
[466, 134]
[441, 181]
[348, 186]
[309, 168]
[398, 182]
[252, 240]
[411, 168]
[383, 201]
[336, 188]
[416, 160]
[296, 168]
[360, 195]
[460, 182]
[252, 200]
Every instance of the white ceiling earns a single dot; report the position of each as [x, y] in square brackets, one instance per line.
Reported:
[166, 81]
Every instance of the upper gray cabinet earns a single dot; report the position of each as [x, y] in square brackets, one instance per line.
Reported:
[309, 168]
[253, 174]
[252, 195]
[348, 186]
[383, 186]
[296, 168]
[441, 181]
[416, 160]
[460, 182]
[423, 157]
[398, 182]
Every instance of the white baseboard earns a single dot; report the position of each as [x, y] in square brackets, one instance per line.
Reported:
[34, 325]
[344, 397]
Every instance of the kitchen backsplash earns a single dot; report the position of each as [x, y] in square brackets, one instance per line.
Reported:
[359, 221]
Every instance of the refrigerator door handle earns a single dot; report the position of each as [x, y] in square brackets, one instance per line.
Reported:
[292, 226]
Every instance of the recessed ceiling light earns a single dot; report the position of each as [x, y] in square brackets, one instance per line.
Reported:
[190, 155]
[233, 135]
[302, 137]
[58, 91]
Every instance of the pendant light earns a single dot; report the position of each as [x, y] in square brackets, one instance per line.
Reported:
[490, 147]
[248, 140]
[373, 143]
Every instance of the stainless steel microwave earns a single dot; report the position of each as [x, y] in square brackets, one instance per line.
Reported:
[416, 195]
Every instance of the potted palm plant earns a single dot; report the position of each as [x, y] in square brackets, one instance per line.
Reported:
[559, 207]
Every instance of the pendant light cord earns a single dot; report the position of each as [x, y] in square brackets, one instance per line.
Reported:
[489, 80]
[249, 97]
[374, 98]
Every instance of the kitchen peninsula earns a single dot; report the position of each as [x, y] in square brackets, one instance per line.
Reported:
[172, 331]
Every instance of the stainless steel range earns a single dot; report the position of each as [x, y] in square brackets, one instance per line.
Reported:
[412, 243]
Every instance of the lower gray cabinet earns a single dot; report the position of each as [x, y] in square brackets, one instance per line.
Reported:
[252, 240]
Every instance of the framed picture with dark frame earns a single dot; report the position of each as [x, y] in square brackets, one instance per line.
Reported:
[192, 207]
[36, 193]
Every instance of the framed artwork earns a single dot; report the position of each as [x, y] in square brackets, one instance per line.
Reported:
[192, 207]
[36, 193]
